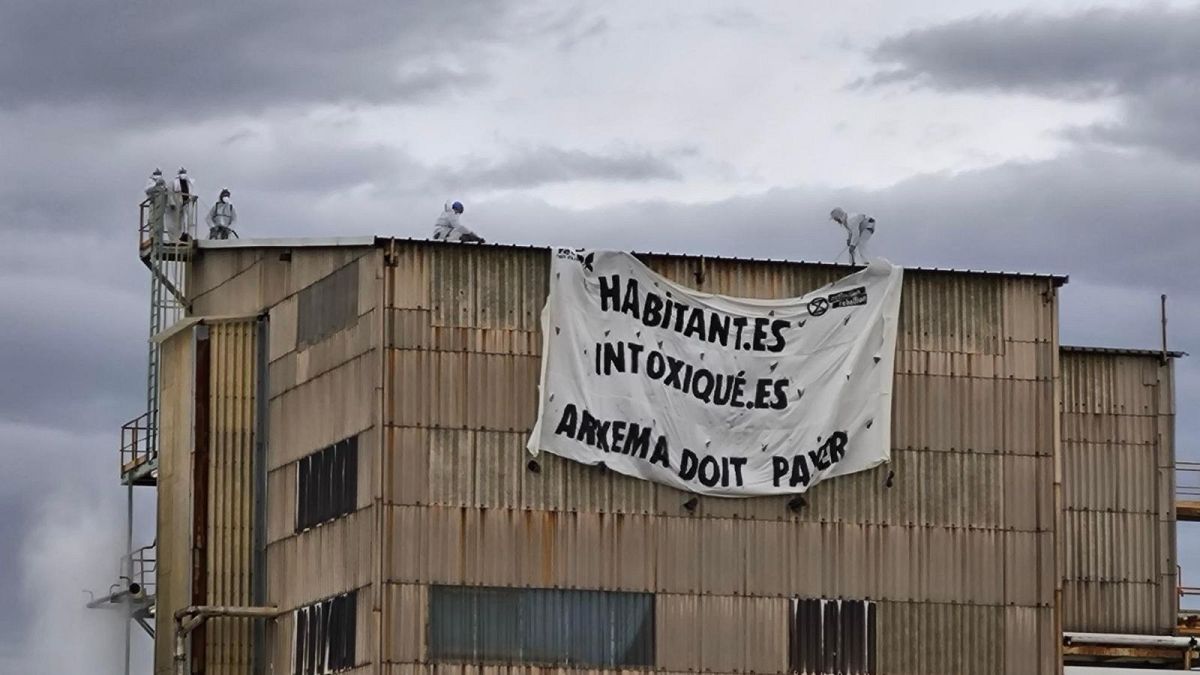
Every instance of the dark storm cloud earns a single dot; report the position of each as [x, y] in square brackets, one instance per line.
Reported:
[190, 59]
[1147, 58]
[545, 165]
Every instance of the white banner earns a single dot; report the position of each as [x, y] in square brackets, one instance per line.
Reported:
[722, 396]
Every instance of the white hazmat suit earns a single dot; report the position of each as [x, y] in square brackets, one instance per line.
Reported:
[156, 196]
[221, 218]
[450, 228]
[859, 229]
[179, 200]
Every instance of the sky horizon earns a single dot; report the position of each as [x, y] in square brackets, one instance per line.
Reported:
[1050, 137]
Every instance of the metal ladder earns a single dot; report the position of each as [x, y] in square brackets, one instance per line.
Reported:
[167, 262]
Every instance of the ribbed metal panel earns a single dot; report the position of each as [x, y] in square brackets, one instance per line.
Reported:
[969, 518]
[719, 556]
[1118, 485]
[959, 551]
[173, 575]
[722, 634]
[231, 434]
[329, 407]
[321, 562]
[947, 488]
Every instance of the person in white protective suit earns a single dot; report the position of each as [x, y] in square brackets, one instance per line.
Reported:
[156, 196]
[859, 229]
[221, 217]
[450, 228]
[179, 198]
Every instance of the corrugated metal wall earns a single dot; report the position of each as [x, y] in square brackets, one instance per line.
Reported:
[321, 393]
[1118, 490]
[232, 348]
[173, 583]
[959, 553]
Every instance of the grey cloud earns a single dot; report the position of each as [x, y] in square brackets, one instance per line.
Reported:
[1148, 59]
[187, 60]
[1094, 53]
[545, 165]
[1161, 117]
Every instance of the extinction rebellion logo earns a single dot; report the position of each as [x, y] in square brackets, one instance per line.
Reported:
[851, 298]
[578, 256]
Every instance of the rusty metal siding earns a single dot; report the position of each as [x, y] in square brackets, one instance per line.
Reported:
[718, 556]
[1118, 457]
[319, 391]
[231, 434]
[962, 545]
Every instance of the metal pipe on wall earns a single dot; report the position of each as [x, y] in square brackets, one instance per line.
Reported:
[1127, 640]
[192, 617]
[258, 497]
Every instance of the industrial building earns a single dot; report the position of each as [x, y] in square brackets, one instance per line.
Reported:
[337, 428]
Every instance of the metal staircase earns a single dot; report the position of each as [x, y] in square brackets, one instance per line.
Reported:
[167, 259]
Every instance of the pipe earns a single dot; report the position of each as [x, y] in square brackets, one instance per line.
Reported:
[258, 469]
[190, 618]
[1126, 640]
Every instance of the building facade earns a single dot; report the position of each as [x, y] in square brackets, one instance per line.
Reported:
[343, 438]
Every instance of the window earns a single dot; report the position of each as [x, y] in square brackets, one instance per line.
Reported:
[327, 484]
[832, 636]
[327, 306]
[534, 625]
[325, 635]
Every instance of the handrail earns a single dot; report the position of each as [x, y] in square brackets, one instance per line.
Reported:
[1187, 480]
[145, 234]
[137, 441]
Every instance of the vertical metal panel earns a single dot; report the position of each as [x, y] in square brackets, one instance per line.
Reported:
[406, 622]
[283, 328]
[231, 425]
[1118, 566]
[722, 634]
[174, 483]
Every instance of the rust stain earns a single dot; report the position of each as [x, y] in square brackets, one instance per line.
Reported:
[549, 528]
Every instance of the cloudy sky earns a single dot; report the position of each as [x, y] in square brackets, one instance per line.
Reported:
[1050, 136]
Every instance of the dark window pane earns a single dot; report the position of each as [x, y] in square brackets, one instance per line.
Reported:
[351, 474]
[337, 488]
[302, 494]
[594, 628]
[832, 636]
[325, 636]
[327, 306]
[301, 618]
[327, 484]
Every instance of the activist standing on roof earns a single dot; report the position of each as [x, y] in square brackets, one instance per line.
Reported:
[859, 229]
[156, 196]
[221, 217]
[449, 228]
[182, 192]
